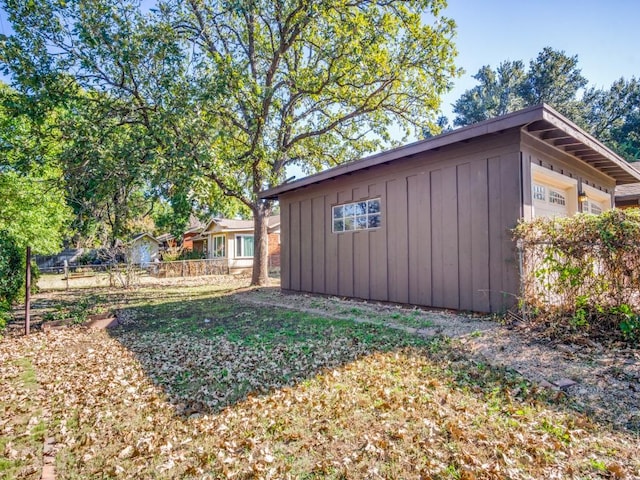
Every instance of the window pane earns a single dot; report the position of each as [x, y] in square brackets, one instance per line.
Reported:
[556, 198]
[238, 246]
[361, 222]
[356, 216]
[248, 246]
[539, 192]
[349, 209]
[374, 221]
[218, 247]
[349, 224]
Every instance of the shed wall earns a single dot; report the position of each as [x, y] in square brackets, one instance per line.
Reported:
[444, 239]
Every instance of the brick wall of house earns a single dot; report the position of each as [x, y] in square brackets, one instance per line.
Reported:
[274, 250]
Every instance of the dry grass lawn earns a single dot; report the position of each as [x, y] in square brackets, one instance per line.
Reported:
[195, 384]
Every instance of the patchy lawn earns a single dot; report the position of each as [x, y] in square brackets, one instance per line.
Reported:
[198, 382]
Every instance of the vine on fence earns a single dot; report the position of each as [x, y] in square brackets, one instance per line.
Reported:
[583, 272]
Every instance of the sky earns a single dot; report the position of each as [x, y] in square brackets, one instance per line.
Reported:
[604, 34]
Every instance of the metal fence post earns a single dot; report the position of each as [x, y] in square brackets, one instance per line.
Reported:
[520, 247]
[27, 295]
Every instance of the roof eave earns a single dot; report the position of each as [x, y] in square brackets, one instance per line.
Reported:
[618, 169]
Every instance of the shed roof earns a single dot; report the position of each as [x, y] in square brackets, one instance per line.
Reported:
[628, 192]
[540, 121]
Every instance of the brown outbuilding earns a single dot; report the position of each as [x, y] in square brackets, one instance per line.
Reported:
[429, 223]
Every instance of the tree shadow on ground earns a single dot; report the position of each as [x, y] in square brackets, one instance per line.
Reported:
[210, 353]
[249, 391]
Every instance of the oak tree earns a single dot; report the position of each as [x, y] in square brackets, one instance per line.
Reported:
[237, 92]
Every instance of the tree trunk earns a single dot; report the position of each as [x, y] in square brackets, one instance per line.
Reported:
[260, 244]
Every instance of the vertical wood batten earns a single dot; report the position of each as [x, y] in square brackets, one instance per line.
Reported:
[361, 253]
[465, 252]
[345, 254]
[285, 244]
[295, 246]
[437, 263]
[479, 195]
[319, 232]
[414, 202]
[511, 212]
[398, 260]
[450, 238]
[495, 237]
[331, 248]
[306, 241]
[378, 247]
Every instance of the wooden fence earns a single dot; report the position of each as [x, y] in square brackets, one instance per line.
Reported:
[189, 268]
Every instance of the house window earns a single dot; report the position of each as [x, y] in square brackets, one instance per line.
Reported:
[362, 215]
[244, 246]
[218, 247]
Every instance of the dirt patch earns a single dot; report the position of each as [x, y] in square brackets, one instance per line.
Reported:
[594, 376]
[604, 377]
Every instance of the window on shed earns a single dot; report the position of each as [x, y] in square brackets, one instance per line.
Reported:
[363, 215]
[539, 192]
[244, 245]
[593, 207]
[556, 197]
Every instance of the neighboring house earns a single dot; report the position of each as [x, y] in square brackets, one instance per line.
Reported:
[166, 242]
[430, 223]
[200, 244]
[143, 249]
[231, 241]
[188, 237]
[628, 196]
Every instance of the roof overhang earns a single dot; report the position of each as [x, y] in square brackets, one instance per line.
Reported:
[540, 121]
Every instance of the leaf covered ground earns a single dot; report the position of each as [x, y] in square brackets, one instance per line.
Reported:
[196, 383]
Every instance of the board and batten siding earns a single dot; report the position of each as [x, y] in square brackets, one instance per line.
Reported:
[444, 239]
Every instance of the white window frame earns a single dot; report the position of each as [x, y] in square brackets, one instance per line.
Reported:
[240, 245]
[357, 216]
[214, 239]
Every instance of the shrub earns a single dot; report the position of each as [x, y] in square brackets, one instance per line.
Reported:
[11, 271]
[583, 271]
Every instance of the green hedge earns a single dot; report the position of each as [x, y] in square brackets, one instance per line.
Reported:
[11, 275]
[583, 271]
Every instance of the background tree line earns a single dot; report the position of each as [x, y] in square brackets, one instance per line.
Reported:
[611, 114]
